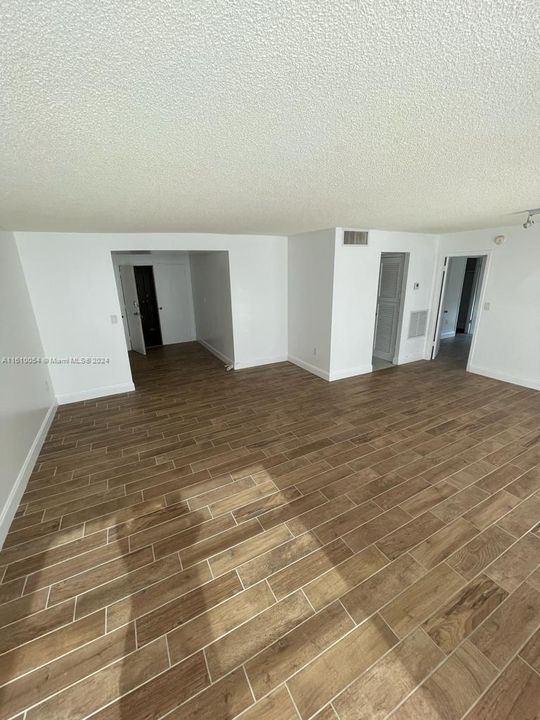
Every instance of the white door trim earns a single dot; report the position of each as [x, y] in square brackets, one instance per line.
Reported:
[436, 309]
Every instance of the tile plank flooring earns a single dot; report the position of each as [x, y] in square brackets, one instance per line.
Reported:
[263, 544]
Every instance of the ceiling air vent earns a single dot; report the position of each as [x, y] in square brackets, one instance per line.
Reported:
[418, 323]
[355, 237]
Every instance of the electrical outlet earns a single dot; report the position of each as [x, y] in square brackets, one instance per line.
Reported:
[487, 306]
[314, 351]
[114, 319]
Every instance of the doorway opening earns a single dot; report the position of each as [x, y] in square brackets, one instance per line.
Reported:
[176, 312]
[458, 308]
[389, 309]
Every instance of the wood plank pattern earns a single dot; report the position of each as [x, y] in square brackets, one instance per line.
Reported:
[263, 544]
[451, 689]
[513, 696]
[379, 690]
[327, 675]
[463, 612]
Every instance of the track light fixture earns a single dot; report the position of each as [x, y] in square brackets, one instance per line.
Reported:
[529, 221]
[530, 216]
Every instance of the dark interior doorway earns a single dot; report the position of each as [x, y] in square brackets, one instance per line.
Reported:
[146, 294]
[467, 293]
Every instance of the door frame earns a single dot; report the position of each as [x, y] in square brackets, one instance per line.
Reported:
[441, 275]
[401, 314]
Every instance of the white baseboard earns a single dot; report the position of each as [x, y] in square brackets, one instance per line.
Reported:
[93, 393]
[449, 334]
[241, 365]
[534, 384]
[180, 340]
[313, 369]
[7, 513]
[330, 376]
[257, 362]
[350, 372]
[224, 358]
[412, 358]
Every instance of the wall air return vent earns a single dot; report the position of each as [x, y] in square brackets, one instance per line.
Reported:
[355, 237]
[418, 323]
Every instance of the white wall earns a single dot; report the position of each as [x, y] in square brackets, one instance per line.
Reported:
[332, 295]
[71, 281]
[452, 296]
[311, 278]
[212, 303]
[356, 275]
[506, 343]
[153, 259]
[26, 400]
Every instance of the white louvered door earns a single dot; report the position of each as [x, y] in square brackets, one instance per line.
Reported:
[388, 305]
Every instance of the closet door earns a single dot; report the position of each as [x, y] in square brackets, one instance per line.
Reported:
[388, 305]
[175, 302]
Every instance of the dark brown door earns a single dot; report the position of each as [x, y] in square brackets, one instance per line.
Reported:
[146, 293]
[466, 295]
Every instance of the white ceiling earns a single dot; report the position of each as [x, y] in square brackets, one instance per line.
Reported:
[270, 116]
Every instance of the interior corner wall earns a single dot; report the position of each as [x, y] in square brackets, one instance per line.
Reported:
[70, 278]
[210, 280]
[356, 277]
[506, 343]
[311, 279]
[26, 399]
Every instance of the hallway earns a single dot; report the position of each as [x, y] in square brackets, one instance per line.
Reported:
[454, 351]
[263, 544]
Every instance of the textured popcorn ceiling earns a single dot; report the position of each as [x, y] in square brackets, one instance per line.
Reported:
[268, 116]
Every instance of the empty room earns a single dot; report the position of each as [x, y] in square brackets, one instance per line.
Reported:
[270, 360]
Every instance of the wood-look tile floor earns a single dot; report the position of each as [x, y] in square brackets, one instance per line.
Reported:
[263, 544]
